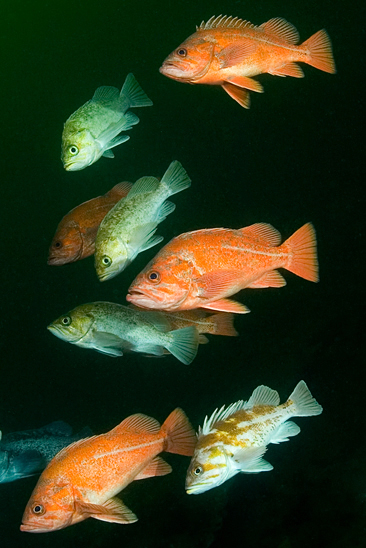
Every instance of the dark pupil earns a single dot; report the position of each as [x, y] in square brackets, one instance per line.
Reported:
[153, 276]
[65, 321]
[197, 471]
[182, 52]
[58, 244]
[73, 149]
[37, 509]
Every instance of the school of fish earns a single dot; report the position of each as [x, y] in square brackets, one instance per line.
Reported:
[183, 294]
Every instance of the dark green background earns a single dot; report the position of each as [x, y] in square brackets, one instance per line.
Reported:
[294, 157]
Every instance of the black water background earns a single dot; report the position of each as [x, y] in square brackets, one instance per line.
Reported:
[296, 156]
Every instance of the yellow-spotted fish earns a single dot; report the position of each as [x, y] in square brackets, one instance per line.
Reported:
[234, 439]
[94, 128]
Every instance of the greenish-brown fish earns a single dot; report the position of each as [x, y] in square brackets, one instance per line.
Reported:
[111, 328]
[94, 128]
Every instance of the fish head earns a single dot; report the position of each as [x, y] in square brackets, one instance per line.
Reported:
[79, 149]
[51, 507]
[190, 61]
[111, 257]
[74, 326]
[67, 244]
[210, 467]
[165, 284]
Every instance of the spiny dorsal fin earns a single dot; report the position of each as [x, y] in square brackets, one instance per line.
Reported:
[220, 415]
[225, 21]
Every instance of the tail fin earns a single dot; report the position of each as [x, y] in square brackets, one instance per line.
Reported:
[320, 50]
[222, 324]
[176, 178]
[132, 90]
[304, 262]
[184, 344]
[181, 438]
[304, 403]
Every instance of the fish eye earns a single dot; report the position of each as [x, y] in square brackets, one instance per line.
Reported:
[107, 261]
[197, 471]
[73, 150]
[182, 52]
[58, 244]
[154, 276]
[38, 509]
[66, 320]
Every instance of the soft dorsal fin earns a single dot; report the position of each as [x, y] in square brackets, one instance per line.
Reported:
[143, 185]
[138, 423]
[263, 396]
[120, 190]
[282, 29]
[106, 94]
[263, 233]
[225, 21]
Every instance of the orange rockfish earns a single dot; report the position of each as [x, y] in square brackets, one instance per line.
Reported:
[234, 439]
[228, 51]
[201, 269]
[81, 481]
[75, 235]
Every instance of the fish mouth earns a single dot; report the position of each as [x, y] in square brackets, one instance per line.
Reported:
[34, 528]
[59, 333]
[140, 298]
[172, 71]
[196, 489]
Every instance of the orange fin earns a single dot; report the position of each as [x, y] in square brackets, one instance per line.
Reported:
[202, 339]
[304, 260]
[120, 190]
[281, 29]
[290, 69]
[247, 83]
[234, 54]
[138, 423]
[227, 305]
[181, 437]
[219, 282]
[112, 510]
[239, 95]
[319, 48]
[269, 279]
[157, 467]
[263, 234]
[223, 324]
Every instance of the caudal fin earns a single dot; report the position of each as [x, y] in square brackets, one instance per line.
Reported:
[181, 437]
[184, 344]
[304, 260]
[176, 178]
[304, 405]
[320, 49]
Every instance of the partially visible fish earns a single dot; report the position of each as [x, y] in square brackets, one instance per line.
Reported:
[129, 228]
[205, 323]
[94, 128]
[75, 235]
[234, 439]
[82, 480]
[200, 269]
[228, 51]
[26, 453]
[112, 328]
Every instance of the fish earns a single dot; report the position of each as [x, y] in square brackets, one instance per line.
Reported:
[228, 51]
[112, 328]
[93, 130]
[82, 480]
[26, 453]
[75, 235]
[129, 228]
[201, 269]
[235, 439]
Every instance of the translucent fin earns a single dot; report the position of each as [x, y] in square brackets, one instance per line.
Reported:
[304, 261]
[263, 396]
[284, 432]
[27, 464]
[240, 95]
[304, 405]
[108, 154]
[184, 344]
[250, 460]
[176, 178]
[164, 211]
[106, 94]
[181, 438]
[143, 238]
[227, 305]
[142, 186]
[113, 510]
[108, 343]
[134, 93]
[114, 143]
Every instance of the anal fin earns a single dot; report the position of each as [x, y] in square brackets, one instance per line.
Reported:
[290, 69]
[239, 95]
[269, 279]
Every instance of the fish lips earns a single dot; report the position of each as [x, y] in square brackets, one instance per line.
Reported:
[34, 528]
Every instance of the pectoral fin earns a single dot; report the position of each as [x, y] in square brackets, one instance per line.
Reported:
[250, 460]
[220, 282]
[108, 343]
[235, 54]
[113, 510]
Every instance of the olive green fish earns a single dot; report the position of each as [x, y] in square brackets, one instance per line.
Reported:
[112, 328]
[129, 227]
[94, 128]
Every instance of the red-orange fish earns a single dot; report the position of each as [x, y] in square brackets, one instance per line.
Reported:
[201, 269]
[228, 51]
[76, 233]
[82, 480]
